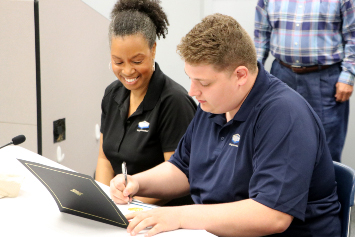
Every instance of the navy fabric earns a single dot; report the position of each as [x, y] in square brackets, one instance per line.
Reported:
[318, 88]
[273, 151]
[345, 177]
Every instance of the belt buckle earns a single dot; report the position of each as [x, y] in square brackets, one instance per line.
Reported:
[295, 68]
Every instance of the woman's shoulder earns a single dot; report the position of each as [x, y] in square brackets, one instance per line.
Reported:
[176, 95]
[173, 88]
[114, 86]
[170, 88]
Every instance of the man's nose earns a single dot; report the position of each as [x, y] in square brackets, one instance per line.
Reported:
[193, 90]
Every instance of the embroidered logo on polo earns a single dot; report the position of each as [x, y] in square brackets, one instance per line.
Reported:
[143, 126]
[235, 140]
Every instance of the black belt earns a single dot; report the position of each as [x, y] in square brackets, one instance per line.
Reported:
[302, 70]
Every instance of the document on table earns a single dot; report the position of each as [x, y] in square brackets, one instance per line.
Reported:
[134, 206]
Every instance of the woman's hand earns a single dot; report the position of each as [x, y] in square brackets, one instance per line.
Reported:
[158, 220]
[121, 194]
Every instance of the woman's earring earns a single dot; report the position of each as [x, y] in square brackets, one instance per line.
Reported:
[110, 66]
[153, 65]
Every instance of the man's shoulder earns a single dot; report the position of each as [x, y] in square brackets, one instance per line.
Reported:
[282, 98]
[282, 94]
[273, 89]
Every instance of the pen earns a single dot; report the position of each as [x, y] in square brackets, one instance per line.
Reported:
[124, 171]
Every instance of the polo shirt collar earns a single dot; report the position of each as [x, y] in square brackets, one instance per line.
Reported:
[121, 97]
[155, 88]
[261, 85]
[152, 96]
[259, 88]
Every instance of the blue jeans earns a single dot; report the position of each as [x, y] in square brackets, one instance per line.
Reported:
[318, 88]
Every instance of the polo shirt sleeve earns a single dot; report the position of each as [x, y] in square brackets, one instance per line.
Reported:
[105, 103]
[181, 157]
[286, 147]
[176, 113]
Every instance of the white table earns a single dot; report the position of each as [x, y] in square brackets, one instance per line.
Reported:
[35, 212]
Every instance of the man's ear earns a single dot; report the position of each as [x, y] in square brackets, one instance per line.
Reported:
[241, 74]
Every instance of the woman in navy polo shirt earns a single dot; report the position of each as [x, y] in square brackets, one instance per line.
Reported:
[144, 112]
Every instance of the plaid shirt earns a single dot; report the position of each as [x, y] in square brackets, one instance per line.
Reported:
[307, 32]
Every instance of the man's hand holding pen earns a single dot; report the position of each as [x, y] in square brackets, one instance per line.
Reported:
[122, 193]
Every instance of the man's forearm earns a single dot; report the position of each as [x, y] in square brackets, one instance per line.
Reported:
[162, 181]
[242, 218]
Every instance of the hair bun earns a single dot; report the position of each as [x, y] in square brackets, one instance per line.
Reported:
[151, 8]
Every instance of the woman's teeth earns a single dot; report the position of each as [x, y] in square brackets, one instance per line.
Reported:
[130, 80]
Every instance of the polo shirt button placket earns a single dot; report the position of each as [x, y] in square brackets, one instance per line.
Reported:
[128, 124]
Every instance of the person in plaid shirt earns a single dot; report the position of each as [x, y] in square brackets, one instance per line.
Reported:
[313, 42]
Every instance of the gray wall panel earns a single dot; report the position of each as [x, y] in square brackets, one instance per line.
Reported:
[11, 130]
[74, 71]
[17, 72]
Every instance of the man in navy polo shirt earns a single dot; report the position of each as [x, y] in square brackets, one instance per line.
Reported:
[254, 158]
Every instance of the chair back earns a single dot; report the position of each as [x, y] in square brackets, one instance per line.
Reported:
[345, 178]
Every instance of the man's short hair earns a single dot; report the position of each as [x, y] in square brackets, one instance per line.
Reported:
[220, 41]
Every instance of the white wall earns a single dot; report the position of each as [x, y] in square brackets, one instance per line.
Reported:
[182, 16]
[348, 156]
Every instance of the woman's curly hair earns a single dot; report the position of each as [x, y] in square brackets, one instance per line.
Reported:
[144, 17]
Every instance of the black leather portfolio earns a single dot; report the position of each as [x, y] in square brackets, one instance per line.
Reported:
[77, 194]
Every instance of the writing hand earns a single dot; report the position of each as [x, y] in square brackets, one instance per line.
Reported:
[120, 194]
